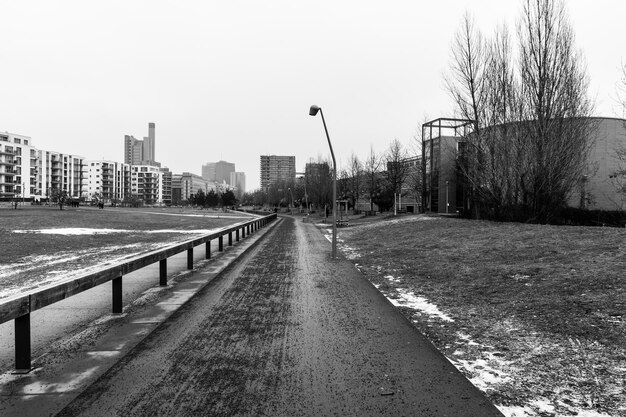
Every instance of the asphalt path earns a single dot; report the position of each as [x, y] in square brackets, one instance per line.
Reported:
[286, 331]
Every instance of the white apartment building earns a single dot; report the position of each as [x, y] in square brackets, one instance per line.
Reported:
[105, 180]
[18, 167]
[145, 183]
[59, 173]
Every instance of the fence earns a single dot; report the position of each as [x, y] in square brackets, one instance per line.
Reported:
[19, 307]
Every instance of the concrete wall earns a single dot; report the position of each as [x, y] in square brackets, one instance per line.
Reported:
[599, 186]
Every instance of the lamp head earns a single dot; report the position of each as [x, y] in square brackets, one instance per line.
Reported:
[313, 111]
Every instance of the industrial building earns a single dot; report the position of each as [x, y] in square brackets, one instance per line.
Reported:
[444, 140]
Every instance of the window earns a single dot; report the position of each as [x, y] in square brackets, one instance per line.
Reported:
[16, 140]
[25, 141]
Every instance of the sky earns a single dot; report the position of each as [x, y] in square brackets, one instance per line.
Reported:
[233, 80]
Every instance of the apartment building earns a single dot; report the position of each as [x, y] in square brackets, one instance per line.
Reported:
[59, 174]
[219, 171]
[141, 152]
[105, 180]
[238, 182]
[166, 186]
[18, 167]
[277, 168]
[146, 183]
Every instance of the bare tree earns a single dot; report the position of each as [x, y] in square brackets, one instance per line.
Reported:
[466, 81]
[621, 92]
[355, 179]
[318, 178]
[618, 177]
[397, 167]
[531, 135]
[415, 176]
[372, 173]
[555, 107]
[466, 84]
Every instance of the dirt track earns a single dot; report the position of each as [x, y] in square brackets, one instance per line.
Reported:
[286, 332]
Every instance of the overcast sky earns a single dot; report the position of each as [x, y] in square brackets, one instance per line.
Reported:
[234, 79]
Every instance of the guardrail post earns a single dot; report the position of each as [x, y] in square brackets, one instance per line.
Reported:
[163, 272]
[190, 258]
[220, 246]
[208, 250]
[230, 238]
[243, 232]
[237, 235]
[117, 295]
[22, 343]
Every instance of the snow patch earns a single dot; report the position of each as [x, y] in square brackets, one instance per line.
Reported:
[466, 339]
[73, 231]
[410, 300]
[515, 411]
[392, 279]
[484, 375]
[542, 407]
[81, 231]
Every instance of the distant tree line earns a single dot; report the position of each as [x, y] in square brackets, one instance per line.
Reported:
[213, 199]
[364, 184]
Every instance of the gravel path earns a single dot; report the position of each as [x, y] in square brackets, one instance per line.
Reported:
[285, 332]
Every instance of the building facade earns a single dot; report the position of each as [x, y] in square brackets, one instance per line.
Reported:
[444, 144]
[59, 174]
[141, 152]
[218, 171]
[186, 184]
[18, 167]
[599, 189]
[166, 185]
[106, 181]
[238, 182]
[277, 168]
[145, 184]
[208, 171]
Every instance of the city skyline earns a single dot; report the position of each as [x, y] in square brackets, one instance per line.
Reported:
[237, 79]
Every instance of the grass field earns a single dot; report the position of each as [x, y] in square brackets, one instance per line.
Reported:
[39, 244]
[534, 315]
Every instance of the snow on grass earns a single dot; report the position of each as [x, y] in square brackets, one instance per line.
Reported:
[81, 231]
[39, 271]
[72, 231]
[392, 279]
[543, 407]
[485, 372]
[408, 299]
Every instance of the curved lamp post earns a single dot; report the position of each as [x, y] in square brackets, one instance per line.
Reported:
[313, 112]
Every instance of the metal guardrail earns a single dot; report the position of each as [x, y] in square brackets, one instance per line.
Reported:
[19, 307]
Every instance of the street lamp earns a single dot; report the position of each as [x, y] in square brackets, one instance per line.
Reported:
[313, 112]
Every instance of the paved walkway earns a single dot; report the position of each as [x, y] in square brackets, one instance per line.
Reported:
[284, 332]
